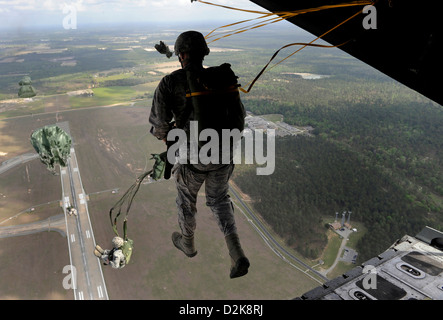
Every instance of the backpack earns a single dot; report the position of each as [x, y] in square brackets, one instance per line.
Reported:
[215, 98]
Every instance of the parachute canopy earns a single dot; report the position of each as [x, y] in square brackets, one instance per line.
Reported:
[53, 145]
[26, 90]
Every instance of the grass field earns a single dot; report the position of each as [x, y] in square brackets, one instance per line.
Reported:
[104, 96]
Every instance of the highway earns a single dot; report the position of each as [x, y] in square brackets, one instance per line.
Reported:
[275, 246]
[86, 270]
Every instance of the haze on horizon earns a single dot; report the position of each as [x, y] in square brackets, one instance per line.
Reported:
[26, 14]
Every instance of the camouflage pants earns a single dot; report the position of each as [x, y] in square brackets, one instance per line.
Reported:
[189, 183]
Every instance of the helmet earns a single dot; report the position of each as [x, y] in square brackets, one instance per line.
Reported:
[117, 242]
[191, 42]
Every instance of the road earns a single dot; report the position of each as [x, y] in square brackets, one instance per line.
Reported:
[275, 246]
[88, 276]
[55, 223]
[349, 254]
[86, 271]
[9, 164]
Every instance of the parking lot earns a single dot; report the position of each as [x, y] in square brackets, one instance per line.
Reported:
[349, 255]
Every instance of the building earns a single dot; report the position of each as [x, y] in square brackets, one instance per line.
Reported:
[335, 225]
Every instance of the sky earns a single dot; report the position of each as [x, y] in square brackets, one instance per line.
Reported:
[29, 13]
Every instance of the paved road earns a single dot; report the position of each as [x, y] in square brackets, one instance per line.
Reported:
[55, 223]
[278, 249]
[88, 276]
[10, 163]
[81, 242]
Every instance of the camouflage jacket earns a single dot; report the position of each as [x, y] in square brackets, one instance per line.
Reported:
[169, 102]
[118, 259]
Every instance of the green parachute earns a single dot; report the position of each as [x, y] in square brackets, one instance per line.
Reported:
[53, 145]
[26, 90]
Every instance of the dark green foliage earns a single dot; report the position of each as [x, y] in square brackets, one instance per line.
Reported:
[314, 177]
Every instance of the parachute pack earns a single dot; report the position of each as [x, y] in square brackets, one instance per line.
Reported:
[215, 98]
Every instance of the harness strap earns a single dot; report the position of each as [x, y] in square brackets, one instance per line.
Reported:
[208, 92]
[194, 169]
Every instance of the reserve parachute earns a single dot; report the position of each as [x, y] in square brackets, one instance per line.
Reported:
[53, 146]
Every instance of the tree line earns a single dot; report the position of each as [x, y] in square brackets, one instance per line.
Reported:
[381, 158]
[314, 178]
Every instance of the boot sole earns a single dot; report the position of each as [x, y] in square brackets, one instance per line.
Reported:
[240, 269]
[97, 253]
[190, 255]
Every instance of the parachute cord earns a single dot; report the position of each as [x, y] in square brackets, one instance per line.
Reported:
[244, 29]
[251, 84]
[283, 15]
[128, 197]
[304, 45]
[341, 5]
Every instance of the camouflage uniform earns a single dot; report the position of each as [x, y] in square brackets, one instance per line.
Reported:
[217, 198]
[170, 102]
[118, 259]
[115, 256]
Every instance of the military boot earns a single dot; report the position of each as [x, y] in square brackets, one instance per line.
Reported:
[239, 262]
[98, 251]
[185, 244]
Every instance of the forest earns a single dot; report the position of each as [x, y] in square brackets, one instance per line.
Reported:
[380, 158]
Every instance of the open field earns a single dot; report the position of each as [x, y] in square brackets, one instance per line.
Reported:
[32, 267]
[113, 147]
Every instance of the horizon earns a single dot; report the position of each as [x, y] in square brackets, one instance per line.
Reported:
[73, 14]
